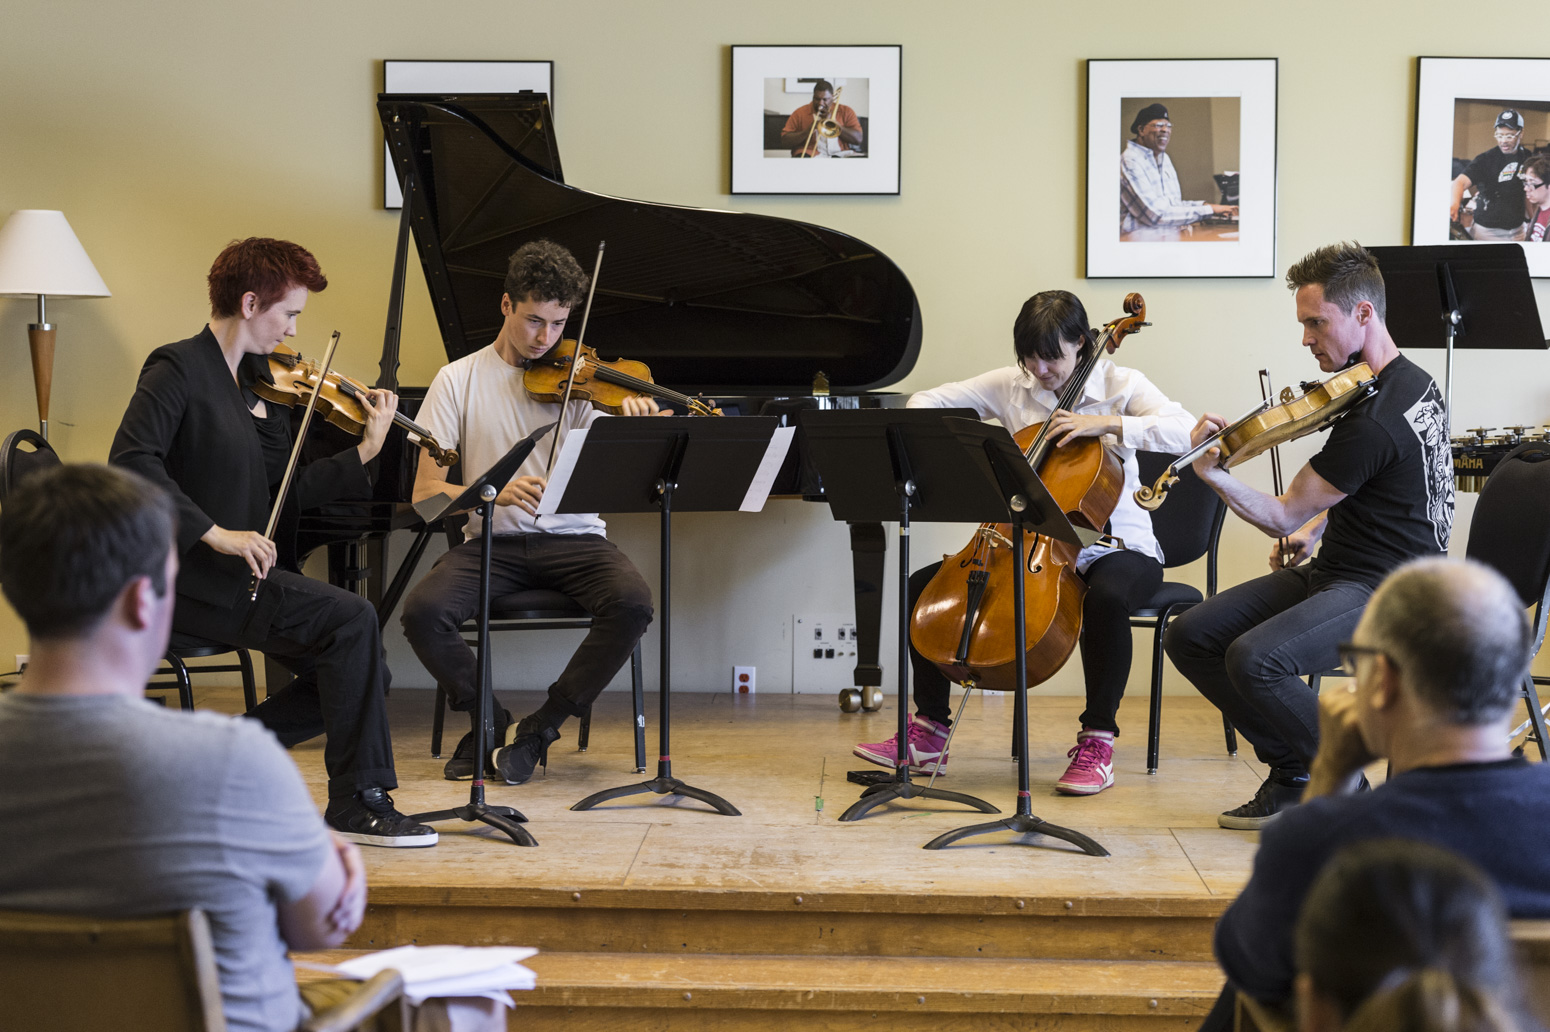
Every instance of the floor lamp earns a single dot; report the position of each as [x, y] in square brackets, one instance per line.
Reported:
[40, 257]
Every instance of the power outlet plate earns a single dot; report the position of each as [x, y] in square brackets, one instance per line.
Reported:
[823, 652]
[21, 661]
[744, 680]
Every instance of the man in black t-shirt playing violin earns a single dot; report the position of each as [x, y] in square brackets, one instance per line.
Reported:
[1380, 492]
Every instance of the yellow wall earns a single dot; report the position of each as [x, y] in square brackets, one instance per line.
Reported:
[165, 130]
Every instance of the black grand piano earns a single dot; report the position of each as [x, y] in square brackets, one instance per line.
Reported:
[765, 315]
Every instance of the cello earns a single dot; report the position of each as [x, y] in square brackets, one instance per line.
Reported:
[963, 621]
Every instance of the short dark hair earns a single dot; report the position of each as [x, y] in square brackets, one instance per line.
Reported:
[1349, 275]
[1457, 632]
[1539, 164]
[71, 539]
[821, 85]
[1392, 931]
[1048, 318]
[544, 271]
[267, 267]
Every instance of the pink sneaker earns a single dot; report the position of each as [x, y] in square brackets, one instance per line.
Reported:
[927, 750]
[1092, 764]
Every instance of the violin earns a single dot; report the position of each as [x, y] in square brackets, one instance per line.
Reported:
[605, 384]
[1269, 424]
[339, 399]
[964, 620]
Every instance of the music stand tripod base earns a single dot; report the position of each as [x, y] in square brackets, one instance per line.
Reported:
[481, 494]
[901, 787]
[1020, 824]
[663, 784]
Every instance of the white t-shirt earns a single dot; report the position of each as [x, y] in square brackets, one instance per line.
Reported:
[1148, 422]
[478, 406]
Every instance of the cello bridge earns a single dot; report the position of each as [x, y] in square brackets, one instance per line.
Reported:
[995, 537]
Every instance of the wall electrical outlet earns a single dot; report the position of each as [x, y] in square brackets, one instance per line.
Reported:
[743, 680]
[21, 661]
[823, 652]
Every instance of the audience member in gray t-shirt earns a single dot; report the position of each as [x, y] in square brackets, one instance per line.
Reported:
[113, 806]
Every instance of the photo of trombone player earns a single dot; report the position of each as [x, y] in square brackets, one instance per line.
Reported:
[825, 128]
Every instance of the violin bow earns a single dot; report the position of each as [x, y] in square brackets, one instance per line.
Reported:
[575, 362]
[1267, 392]
[301, 437]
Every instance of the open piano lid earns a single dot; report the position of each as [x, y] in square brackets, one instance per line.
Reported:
[718, 302]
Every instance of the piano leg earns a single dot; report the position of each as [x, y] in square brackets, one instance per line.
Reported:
[868, 550]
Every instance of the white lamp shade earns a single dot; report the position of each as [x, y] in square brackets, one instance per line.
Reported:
[39, 254]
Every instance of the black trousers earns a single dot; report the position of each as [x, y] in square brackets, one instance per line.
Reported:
[587, 567]
[1117, 584]
[328, 639]
[1245, 649]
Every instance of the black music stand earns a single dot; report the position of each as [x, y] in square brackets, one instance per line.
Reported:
[1460, 295]
[885, 465]
[666, 464]
[481, 495]
[1027, 505]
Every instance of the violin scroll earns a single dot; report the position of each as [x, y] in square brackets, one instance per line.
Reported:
[1150, 498]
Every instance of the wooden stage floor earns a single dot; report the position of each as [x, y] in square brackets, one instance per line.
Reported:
[664, 915]
[771, 755]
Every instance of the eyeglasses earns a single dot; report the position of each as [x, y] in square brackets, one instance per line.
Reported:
[1529, 184]
[1510, 135]
[1158, 125]
[1350, 652]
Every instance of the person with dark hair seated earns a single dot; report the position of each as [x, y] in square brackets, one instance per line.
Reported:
[116, 807]
[1436, 663]
[196, 429]
[1403, 937]
[478, 405]
[1122, 408]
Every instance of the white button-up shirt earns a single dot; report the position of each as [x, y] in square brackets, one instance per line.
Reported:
[1148, 422]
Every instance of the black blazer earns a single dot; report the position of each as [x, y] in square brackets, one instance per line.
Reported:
[189, 429]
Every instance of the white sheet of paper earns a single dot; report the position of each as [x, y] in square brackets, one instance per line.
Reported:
[425, 962]
[564, 468]
[769, 466]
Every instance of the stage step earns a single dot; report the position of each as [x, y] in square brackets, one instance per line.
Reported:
[580, 992]
[689, 922]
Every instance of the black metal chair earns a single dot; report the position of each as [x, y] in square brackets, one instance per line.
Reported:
[542, 610]
[24, 453]
[1510, 532]
[1188, 526]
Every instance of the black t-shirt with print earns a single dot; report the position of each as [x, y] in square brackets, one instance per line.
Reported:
[1391, 457]
[1496, 177]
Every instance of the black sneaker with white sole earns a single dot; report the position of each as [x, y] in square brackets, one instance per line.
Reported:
[1276, 795]
[529, 747]
[369, 818]
[461, 766]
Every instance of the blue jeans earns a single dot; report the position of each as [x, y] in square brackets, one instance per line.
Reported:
[1247, 649]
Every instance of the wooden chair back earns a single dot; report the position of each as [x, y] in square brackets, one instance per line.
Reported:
[155, 974]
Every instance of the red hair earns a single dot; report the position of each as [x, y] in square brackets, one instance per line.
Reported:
[267, 267]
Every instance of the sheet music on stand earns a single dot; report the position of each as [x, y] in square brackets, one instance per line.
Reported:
[753, 500]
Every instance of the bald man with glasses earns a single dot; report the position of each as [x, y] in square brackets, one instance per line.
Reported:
[1435, 665]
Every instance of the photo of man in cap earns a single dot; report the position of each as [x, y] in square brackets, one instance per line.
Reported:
[1149, 195]
[1496, 178]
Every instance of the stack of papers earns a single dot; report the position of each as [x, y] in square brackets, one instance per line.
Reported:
[429, 971]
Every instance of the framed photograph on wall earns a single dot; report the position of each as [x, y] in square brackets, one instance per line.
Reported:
[815, 120]
[457, 77]
[1482, 153]
[1181, 168]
